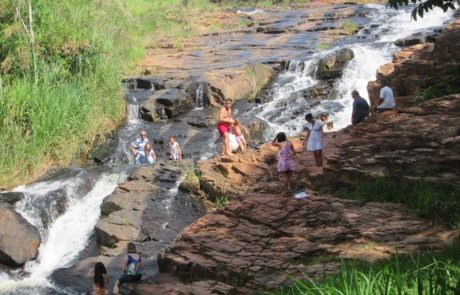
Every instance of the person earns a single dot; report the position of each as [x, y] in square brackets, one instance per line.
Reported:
[314, 140]
[100, 279]
[387, 99]
[175, 152]
[324, 117]
[286, 164]
[360, 108]
[225, 122]
[149, 155]
[132, 266]
[137, 147]
[239, 135]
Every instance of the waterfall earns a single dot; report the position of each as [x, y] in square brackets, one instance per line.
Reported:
[288, 107]
[67, 236]
[133, 113]
[199, 100]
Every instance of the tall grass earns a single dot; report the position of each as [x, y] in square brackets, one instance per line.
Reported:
[430, 200]
[59, 94]
[422, 274]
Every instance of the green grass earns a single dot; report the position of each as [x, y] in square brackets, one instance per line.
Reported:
[221, 201]
[61, 92]
[420, 274]
[350, 27]
[447, 82]
[434, 201]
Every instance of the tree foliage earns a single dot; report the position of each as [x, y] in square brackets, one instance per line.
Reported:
[423, 6]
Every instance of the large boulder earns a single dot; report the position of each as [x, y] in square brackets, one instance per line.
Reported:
[19, 240]
[170, 102]
[331, 66]
[10, 198]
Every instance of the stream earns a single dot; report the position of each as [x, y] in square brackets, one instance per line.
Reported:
[67, 232]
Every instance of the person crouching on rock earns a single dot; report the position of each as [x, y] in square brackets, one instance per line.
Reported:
[239, 135]
[314, 140]
[149, 155]
[225, 122]
[100, 279]
[286, 162]
[132, 266]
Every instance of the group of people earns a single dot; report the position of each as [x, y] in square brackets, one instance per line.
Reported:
[361, 108]
[143, 152]
[228, 125]
[132, 272]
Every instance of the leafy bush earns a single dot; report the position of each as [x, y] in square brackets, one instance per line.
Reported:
[447, 82]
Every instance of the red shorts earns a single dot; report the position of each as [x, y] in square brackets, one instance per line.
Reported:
[223, 128]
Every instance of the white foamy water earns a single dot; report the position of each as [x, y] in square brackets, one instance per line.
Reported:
[287, 109]
[67, 236]
[133, 113]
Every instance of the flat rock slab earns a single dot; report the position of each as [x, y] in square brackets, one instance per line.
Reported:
[259, 241]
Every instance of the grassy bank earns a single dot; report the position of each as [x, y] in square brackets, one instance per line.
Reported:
[419, 274]
[60, 74]
[438, 202]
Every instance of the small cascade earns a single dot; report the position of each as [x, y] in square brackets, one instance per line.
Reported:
[199, 99]
[68, 234]
[133, 113]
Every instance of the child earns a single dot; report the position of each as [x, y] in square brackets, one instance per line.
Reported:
[324, 117]
[174, 149]
[239, 136]
[149, 154]
[286, 162]
[314, 139]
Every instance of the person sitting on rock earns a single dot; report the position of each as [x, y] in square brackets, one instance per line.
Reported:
[225, 122]
[387, 99]
[236, 127]
[137, 147]
[286, 163]
[175, 152]
[100, 279]
[360, 108]
[314, 139]
[132, 266]
[149, 155]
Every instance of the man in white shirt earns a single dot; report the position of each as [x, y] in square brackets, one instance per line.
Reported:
[137, 147]
[387, 99]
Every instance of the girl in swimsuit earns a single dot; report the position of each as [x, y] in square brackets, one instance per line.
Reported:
[132, 266]
[239, 136]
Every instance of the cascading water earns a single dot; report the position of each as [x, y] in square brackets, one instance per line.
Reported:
[81, 191]
[68, 233]
[199, 100]
[287, 109]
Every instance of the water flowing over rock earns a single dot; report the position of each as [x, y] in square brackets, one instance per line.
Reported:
[19, 240]
[418, 67]
[332, 66]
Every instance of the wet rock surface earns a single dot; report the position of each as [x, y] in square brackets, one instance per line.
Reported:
[19, 240]
[332, 66]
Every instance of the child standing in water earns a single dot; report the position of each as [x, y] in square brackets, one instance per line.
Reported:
[314, 140]
[174, 149]
[286, 162]
[239, 135]
[149, 154]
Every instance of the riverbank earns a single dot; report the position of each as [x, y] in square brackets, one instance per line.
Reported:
[262, 240]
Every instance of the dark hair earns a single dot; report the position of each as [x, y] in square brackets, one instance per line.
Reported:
[308, 117]
[354, 92]
[99, 272]
[280, 137]
[131, 248]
